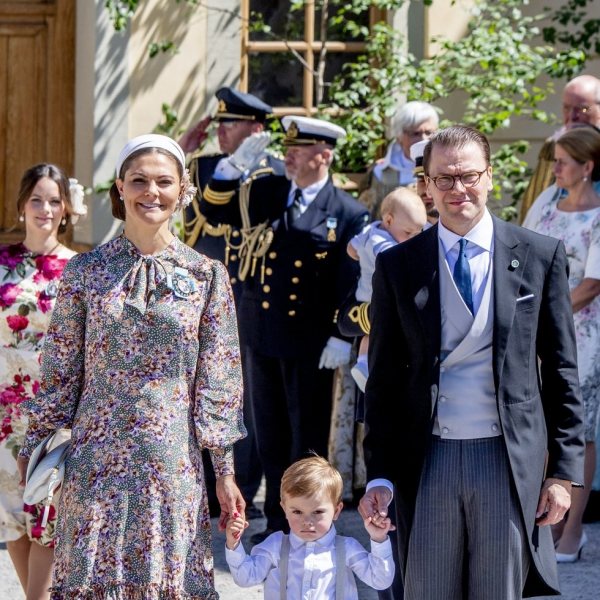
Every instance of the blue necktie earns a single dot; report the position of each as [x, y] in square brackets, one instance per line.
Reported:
[462, 275]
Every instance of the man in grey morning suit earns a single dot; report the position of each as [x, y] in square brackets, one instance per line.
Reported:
[481, 442]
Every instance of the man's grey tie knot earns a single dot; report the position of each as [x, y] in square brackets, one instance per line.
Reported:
[294, 210]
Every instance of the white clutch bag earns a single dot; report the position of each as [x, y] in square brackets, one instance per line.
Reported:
[46, 470]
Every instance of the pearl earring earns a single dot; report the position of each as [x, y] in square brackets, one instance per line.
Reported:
[63, 222]
[121, 199]
[21, 219]
[585, 178]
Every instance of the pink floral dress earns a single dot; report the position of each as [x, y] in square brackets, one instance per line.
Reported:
[142, 362]
[28, 287]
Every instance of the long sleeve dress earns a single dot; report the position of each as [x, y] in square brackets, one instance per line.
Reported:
[28, 286]
[142, 362]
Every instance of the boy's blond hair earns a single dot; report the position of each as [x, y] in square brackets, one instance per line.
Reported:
[405, 200]
[310, 476]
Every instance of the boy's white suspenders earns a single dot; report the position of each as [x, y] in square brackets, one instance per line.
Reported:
[340, 567]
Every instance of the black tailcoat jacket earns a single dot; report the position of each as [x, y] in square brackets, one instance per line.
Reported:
[288, 308]
[534, 368]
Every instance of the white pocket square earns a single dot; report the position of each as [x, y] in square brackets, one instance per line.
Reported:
[528, 297]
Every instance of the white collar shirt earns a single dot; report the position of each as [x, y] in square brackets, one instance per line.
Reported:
[311, 566]
[309, 193]
[479, 250]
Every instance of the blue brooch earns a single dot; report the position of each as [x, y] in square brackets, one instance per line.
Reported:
[181, 283]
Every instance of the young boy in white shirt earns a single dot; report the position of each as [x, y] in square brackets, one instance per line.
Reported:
[403, 216]
[305, 564]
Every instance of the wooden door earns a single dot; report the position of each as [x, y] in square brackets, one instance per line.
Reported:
[37, 69]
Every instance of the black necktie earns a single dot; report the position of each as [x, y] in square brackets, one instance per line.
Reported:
[294, 209]
[462, 275]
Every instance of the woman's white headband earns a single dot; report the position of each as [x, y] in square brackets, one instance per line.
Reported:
[150, 140]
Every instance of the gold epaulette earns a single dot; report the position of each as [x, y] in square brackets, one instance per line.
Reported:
[218, 198]
[360, 315]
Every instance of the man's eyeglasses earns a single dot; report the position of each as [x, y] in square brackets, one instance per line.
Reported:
[445, 183]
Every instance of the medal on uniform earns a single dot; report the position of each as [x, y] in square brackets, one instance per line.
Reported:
[331, 227]
[180, 282]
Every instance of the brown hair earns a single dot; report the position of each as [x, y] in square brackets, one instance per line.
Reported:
[29, 181]
[118, 207]
[310, 476]
[582, 144]
[456, 136]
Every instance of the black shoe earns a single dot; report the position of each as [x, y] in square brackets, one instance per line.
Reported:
[261, 536]
[253, 512]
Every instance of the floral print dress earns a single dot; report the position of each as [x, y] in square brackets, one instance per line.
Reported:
[580, 232]
[142, 362]
[28, 287]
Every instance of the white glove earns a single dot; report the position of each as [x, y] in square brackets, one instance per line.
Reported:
[249, 151]
[335, 354]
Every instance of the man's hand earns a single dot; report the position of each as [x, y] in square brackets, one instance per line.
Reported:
[373, 506]
[555, 500]
[230, 499]
[335, 354]
[249, 151]
[195, 136]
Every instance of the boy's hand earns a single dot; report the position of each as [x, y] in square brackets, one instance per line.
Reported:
[379, 532]
[234, 530]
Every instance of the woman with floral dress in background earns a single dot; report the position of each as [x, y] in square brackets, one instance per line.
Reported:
[142, 362]
[29, 277]
[570, 211]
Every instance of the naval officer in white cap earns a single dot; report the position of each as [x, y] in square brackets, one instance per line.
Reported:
[287, 309]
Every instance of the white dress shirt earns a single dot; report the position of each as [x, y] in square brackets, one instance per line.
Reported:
[309, 193]
[479, 249]
[311, 566]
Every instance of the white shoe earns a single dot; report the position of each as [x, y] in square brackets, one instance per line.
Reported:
[360, 374]
[571, 558]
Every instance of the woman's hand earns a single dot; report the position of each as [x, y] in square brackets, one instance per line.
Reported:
[22, 464]
[230, 499]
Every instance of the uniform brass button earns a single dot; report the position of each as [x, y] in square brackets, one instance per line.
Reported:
[233, 257]
[266, 289]
[292, 313]
[265, 305]
[272, 254]
[235, 233]
[295, 280]
[298, 263]
[293, 297]
[269, 271]
[233, 280]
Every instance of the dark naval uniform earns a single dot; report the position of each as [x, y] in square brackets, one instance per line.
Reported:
[217, 225]
[286, 315]
[223, 234]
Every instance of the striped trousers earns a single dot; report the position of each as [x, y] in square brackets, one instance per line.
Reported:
[467, 541]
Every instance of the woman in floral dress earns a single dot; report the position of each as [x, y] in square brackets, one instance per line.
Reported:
[29, 277]
[142, 362]
[574, 217]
